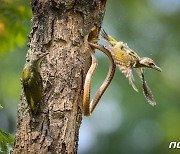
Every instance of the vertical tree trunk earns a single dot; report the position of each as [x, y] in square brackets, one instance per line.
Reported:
[59, 27]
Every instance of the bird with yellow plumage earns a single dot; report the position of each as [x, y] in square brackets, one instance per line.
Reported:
[127, 60]
[32, 80]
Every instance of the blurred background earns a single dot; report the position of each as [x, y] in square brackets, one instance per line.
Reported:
[123, 121]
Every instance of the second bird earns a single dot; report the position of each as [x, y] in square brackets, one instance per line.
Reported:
[127, 60]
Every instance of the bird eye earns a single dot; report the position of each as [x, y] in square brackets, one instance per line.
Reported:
[28, 60]
[121, 47]
[151, 64]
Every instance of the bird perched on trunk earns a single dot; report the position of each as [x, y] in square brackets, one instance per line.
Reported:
[126, 59]
[32, 81]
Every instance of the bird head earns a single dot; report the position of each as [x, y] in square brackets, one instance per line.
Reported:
[39, 56]
[148, 62]
[36, 58]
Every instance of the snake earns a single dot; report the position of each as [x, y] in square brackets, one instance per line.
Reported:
[89, 106]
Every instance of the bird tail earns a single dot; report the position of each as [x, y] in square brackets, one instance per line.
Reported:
[129, 75]
[108, 38]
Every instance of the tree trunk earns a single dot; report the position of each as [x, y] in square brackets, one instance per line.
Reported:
[59, 27]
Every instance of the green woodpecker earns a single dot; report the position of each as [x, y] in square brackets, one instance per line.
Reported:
[32, 81]
[126, 59]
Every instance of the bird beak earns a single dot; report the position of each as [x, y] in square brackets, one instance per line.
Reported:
[42, 56]
[157, 68]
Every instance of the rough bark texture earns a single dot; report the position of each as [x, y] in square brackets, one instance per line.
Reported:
[59, 27]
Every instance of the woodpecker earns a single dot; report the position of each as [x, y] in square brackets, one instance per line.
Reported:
[127, 60]
[32, 80]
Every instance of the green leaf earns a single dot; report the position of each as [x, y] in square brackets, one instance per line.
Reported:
[6, 142]
[14, 24]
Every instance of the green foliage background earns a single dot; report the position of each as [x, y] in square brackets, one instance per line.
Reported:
[123, 121]
[6, 142]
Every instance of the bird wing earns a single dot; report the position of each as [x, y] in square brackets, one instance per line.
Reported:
[127, 71]
[25, 81]
[32, 83]
[36, 91]
[146, 90]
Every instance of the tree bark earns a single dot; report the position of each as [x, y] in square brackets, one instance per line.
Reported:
[59, 27]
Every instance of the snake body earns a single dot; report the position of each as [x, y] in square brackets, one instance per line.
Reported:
[88, 107]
